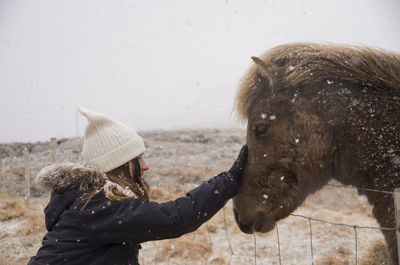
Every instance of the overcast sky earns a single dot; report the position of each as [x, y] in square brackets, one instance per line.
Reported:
[156, 64]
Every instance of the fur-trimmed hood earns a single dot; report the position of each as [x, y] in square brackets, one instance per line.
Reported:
[67, 182]
[61, 177]
[67, 176]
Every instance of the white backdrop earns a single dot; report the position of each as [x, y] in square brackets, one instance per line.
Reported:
[156, 64]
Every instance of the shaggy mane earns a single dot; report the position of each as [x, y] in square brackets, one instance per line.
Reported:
[295, 65]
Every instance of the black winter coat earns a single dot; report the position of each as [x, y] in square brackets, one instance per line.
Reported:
[109, 232]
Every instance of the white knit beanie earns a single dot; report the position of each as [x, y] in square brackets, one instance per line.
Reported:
[109, 143]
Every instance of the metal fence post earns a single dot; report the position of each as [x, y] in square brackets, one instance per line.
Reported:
[53, 145]
[27, 172]
[397, 216]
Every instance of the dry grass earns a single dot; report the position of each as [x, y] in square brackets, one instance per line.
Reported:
[11, 207]
[15, 207]
[2, 259]
[212, 228]
[187, 175]
[23, 230]
[34, 224]
[160, 194]
[340, 256]
[183, 175]
[185, 248]
[378, 254]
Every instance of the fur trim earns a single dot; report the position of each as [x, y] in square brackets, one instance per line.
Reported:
[63, 176]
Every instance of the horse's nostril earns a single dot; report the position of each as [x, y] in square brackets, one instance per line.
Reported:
[248, 229]
[245, 228]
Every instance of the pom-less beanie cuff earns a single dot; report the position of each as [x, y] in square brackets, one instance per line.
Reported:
[119, 156]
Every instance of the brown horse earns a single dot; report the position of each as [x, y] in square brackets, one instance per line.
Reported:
[315, 113]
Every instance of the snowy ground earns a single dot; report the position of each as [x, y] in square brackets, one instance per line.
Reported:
[180, 160]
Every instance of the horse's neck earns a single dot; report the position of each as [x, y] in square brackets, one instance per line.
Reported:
[370, 184]
[350, 169]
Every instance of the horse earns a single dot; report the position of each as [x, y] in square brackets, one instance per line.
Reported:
[317, 112]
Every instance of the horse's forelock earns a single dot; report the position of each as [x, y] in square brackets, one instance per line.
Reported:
[255, 83]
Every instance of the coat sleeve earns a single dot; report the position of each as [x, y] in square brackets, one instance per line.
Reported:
[139, 220]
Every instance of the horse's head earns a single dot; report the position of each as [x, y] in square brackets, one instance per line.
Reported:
[286, 149]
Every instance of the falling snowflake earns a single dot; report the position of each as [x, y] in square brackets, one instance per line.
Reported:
[396, 160]
[294, 98]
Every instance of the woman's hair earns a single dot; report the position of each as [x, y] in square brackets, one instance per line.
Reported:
[120, 184]
[132, 186]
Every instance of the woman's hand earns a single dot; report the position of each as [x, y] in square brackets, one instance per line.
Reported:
[239, 165]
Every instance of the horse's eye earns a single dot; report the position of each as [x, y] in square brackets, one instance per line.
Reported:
[261, 129]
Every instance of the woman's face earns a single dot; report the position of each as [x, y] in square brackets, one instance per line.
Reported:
[143, 165]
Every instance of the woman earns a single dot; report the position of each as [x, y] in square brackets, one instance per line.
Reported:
[99, 213]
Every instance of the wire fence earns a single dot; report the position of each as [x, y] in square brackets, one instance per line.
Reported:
[200, 247]
[310, 222]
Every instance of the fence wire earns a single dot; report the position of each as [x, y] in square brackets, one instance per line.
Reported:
[356, 188]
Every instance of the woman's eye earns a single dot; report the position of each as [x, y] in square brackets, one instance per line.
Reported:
[261, 129]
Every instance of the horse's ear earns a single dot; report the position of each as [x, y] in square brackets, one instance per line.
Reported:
[263, 70]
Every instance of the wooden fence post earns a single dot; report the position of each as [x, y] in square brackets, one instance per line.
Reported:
[397, 216]
[27, 173]
[53, 145]
[11, 173]
[2, 180]
[1, 168]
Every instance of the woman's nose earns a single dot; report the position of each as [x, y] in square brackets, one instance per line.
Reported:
[144, 165]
